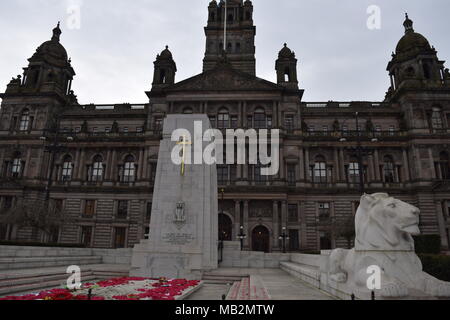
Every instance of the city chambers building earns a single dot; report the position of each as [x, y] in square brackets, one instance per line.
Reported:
[97, 163]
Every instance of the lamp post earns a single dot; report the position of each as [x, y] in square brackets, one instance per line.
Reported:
[359, 152]
[284, 237]
[242, 236]
[54, 148]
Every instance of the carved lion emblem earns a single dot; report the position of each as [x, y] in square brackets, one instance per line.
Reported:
[384, 229]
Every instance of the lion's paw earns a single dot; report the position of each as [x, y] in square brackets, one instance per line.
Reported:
[394, 290]
[339, 277]
[443, 290]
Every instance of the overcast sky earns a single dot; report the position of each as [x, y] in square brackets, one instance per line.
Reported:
[113, 51]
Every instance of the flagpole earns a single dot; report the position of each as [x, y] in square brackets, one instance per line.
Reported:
[225, 27]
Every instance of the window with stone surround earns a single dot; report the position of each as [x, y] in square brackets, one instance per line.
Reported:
[128, 170]
[122, 209]
[24, 120]
[223, 119]
[96, 170]
[120, 234]
[222, 174]
[389, 169]
[86, 235]
[293, 213]
[67, 169]
[324, 212]
[289, 122]
[291, 174]
[89, 209]
[17, 166]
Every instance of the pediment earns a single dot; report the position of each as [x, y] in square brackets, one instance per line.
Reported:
[224, 78]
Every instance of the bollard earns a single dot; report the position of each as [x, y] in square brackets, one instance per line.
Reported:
[90, 294]
[224, 297]
[373, 295]
[353, 296]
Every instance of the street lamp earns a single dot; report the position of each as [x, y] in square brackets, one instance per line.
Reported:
[242, 236]
[284, 237]
[359, 152]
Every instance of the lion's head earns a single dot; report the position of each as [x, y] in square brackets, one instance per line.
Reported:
[385, 223]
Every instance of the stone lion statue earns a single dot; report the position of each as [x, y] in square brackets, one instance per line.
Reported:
[384, 229]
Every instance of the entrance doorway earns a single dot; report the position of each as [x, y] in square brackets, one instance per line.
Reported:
[225, 228]
[261, 239]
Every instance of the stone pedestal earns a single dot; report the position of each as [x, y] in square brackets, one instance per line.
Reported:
[183, 240]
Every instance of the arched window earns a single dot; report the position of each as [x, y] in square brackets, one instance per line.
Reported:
[97, 169]
[16, 169]
[67, 168]
[260, 119]
[320, 170]
[162, 76]
[389, 169]
[444, 165]
[238, 47]
[426, 71]
[436, 118]
[353, 171]
[223, 119]
[129, 169]
[287, 75]
[24, 120]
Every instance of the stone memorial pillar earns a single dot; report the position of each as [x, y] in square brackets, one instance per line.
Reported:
[183, 240]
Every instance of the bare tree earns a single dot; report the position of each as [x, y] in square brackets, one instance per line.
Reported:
[45, 216]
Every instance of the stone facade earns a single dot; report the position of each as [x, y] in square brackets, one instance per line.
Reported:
[102, 160]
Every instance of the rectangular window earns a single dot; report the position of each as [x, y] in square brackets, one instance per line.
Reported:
[107, 129]
[139, 129]
[7, 203]
[293, 213]
[324, 212]
[234, 122]
[86, 236]
[291, 176]
[158, 124]
[222, 174]
[89, 209]
[125, 130]
[294, 243]
[289, 122]
[392, 131]
[325, 241]
[249, 122]
[120, 237]
[147, 233]
[353, 172]
[148, 212]
[122, 209]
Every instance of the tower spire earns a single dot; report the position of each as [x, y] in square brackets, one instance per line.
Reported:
[408, 24]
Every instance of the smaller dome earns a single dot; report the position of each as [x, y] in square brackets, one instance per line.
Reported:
[52, 51]
[166, 54]
[286, 52]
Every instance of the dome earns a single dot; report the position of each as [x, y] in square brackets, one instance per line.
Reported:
[411, 41]
[286, 52]
[166, 54]
[52, 51]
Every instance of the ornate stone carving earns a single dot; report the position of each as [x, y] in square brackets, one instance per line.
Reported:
[384, 230]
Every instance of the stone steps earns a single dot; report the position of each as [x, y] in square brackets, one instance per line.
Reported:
[212, 278]
[309, 274]
[28, 280]
[11, 263]
[250, 288]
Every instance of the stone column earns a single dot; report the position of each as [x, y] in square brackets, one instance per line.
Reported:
[76, 167]
[370, 171]
[308, 178]
[113, 164]
[432, 169]
[140, 165]
[337, 171]
[303, 227]
[284, 213]
[81, 163]
[342, 164]
[302, 165]
[442, 225]
[276, 226]
[377, 166]
[108, 166]
[145, 165]
[246, 226]
[237, 219]
[406, 171]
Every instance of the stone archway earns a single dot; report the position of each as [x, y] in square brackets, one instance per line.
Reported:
[261, 239]
[225, 227]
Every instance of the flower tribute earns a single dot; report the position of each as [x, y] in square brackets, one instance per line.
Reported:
[118, 289]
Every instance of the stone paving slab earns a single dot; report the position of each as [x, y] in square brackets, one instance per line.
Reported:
[279, 284]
